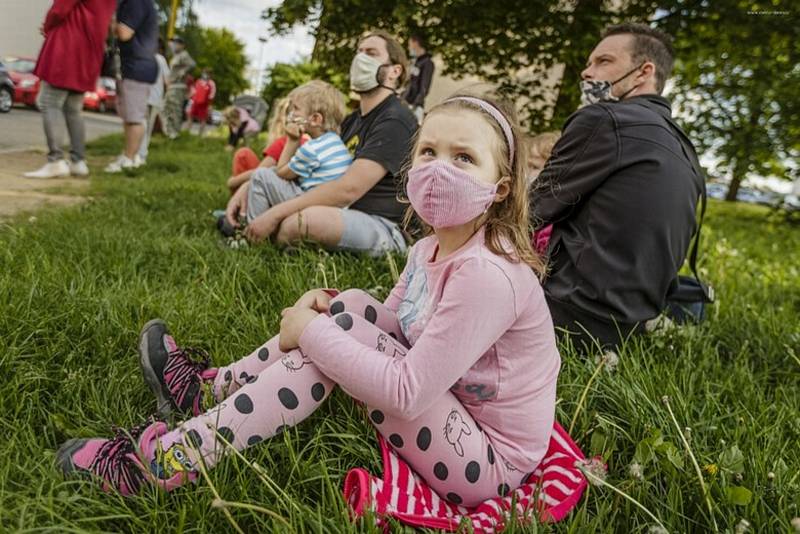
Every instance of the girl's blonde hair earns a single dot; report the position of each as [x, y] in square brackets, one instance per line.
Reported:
[507, 222]
[231, 114]
[277, 122]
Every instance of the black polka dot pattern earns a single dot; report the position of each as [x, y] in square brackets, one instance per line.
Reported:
[370, 314]
[525, 478]
[440, 470]
[194, 439]
[337, 307]
[345, 321]
[252, 378]
[226, 433]
[263, 354]
[243, 403]
[454, 498]
[396, 440]
[377, 416]
[281, 428]
[228, 376]
[472, 472]
[424, 438]
[288, 398]
[503, 489]
[318, 391]
[253, 440]
[491, 455]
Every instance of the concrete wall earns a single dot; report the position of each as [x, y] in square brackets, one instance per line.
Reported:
[19, 27]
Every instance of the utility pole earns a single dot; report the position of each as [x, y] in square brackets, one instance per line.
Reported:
[259, 87]
[173, 14]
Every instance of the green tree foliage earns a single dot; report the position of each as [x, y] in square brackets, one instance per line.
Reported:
[736, 83]
[283, 77]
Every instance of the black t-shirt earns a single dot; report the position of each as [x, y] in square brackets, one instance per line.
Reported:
[137, 56]
[384, 136]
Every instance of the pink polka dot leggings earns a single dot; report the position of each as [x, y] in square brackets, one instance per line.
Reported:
[267, 391]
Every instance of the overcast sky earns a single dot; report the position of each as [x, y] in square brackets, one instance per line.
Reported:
[243, 18]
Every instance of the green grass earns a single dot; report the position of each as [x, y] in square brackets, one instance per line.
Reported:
[77, 284]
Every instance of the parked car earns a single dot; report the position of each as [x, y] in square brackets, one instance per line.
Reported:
[6, 90]
[26, 83]
[103, 98]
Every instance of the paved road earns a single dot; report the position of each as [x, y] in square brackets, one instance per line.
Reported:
[21, 128]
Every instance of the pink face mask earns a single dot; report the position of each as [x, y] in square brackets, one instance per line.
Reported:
[444, 195]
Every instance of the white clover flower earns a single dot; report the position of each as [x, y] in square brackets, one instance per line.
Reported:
[635, 471]
[657, 529]
[796, 525]
[742, 527]
[609, 359]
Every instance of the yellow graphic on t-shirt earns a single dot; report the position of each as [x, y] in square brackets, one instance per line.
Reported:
[352, 143]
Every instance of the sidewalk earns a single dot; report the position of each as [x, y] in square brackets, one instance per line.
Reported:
[21, 195]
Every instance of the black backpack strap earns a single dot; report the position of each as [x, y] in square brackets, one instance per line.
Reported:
[708, 291]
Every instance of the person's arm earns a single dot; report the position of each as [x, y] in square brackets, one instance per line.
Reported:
[398, 292]
[475, 310]
[58, 13]
[282, 168]
[583, 158]
[130, 15]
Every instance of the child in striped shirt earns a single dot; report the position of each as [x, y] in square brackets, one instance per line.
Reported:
[316, 109]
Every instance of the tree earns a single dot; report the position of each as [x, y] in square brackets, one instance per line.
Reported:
[221, 51]
[736, 85]
[283, 77]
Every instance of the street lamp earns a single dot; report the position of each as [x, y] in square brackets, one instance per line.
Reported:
[262, 40]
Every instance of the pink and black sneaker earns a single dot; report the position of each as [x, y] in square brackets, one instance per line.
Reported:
[177, 377]
[126, 462]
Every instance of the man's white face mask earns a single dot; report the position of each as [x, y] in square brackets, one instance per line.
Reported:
[365, 73]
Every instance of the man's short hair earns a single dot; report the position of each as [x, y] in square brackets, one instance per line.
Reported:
[648, 44]
[397, 54]
[321, 97]
[419, 38]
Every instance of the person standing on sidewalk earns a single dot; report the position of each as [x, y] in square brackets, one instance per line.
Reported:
[421, 75]
[179, 67]
[137, 33]
[68, 65]
[155, 101]
[203, 92]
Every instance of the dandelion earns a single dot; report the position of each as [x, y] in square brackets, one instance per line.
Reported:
[657, 529]
[796, 525]
[711, 469]
[609, 360]
[32, 219]
[596, 468]
[742, 527]
[635, 471]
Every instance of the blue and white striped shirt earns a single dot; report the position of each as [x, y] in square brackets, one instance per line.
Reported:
[320, 160]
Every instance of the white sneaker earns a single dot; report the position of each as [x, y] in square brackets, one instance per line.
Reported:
[78, 168]
[122, 162]
[53, 169]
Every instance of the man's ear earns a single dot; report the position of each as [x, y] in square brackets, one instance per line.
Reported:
[503, 189]
[647, 70]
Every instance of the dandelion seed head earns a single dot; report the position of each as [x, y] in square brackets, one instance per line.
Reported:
[657, 529]
[742, 527]
[635, 471]
[796, 525]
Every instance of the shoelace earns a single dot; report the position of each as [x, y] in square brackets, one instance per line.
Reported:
[113, 462]
[183, 368]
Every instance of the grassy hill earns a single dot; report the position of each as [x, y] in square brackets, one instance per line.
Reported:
[77, 284]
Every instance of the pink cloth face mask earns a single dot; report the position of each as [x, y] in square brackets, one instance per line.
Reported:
[444, 195]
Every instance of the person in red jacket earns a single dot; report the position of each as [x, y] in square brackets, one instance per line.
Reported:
[69, 64]
[203, 92]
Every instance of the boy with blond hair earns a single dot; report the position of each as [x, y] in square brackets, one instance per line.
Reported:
[316, 109]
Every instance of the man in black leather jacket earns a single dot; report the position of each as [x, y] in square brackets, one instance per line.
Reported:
[620, 190]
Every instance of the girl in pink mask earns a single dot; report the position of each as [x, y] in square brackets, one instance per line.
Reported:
[457, 368]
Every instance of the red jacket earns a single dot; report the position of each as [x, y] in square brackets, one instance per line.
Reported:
[75, 36]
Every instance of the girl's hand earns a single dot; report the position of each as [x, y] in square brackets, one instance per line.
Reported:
[293, 324]
[316, 299]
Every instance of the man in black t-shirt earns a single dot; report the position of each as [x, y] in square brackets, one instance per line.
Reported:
[137, 33]
[359, 211]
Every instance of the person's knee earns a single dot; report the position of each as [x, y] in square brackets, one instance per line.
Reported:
[291, 229]
[353, 300]
[266, 175]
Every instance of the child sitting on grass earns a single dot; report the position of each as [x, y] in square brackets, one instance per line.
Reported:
[316, 109]
[457, 368]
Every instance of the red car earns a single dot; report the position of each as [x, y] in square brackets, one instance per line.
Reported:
[26, 84]
[103, 98]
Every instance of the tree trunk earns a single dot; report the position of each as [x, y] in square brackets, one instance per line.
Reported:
[736, 182]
